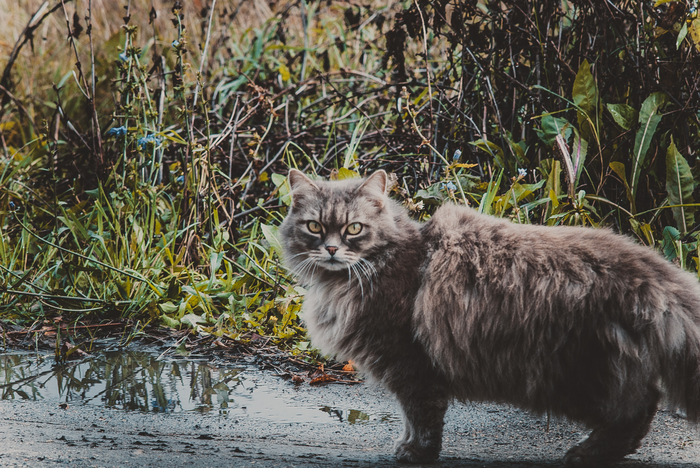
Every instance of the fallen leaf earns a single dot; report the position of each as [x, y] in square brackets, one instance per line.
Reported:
[297, 379]
[325, 378]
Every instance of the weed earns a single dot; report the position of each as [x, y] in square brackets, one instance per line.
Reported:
[144, 158]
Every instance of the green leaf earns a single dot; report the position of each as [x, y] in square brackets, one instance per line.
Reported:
[492, 149]
[430, 196]
[551, 127]
[169, 322]
[681, 35]
[680, 185]
[585, 94]
[624, 115]
[271, 234]
[282, 185]
[517, 193]
[671, 239]
[554, 179]
[192, 320]
[278, 179]
[182, 350]
[619, 169]
[168, 307]
[649, 120]
[486, 205]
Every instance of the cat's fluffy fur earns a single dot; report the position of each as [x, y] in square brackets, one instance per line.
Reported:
[576, 322]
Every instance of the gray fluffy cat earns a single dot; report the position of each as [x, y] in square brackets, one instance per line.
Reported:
[577, 322]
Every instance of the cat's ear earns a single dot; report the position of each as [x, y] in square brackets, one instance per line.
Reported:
[299, 184]
[376, 183]
[297, 180]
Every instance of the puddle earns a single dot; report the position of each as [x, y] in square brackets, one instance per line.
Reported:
[139, 381]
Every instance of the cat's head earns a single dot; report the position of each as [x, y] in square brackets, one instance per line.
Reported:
[337, 225]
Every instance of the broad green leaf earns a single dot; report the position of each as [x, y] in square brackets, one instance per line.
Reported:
[492, 149]
[278, 179]
[169, 322]
[518, 192]
[215, 260]
[624, 115]
[649, 120]
[680, 185]
[671, 239]
[271, 234]
[192, 320]
[619, 169]
[168, 307]
[585, 94]
[431, 196]
[551, 127]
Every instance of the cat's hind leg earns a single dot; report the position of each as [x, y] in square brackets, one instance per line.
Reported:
[609, 443]
[424, 413]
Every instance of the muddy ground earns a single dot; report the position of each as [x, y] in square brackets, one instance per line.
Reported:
[42, 433]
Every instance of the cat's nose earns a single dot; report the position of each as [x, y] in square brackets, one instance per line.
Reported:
[331, 249]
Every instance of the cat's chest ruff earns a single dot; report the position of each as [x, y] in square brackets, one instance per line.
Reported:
[327, 312]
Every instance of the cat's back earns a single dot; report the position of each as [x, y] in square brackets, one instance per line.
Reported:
[466, 236]
[478, 265]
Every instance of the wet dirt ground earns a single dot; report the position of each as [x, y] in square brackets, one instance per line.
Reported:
[141, 411]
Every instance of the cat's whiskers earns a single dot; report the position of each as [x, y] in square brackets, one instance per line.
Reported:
[368, 270]
[355, 269]
[302, 269]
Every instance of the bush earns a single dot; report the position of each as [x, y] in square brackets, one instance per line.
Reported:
[144, 165]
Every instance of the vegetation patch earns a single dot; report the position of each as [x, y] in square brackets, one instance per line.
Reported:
[145, 146]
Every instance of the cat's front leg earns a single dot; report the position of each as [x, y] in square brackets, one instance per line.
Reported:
[424, 412]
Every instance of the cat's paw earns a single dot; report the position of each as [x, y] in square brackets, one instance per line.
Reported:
[581, 457]
[406, 453]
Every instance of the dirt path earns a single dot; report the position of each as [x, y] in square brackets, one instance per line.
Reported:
[44, 434]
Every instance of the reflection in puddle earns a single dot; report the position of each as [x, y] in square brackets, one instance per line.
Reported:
[138, 381]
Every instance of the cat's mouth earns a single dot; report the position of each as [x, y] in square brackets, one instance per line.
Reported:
[333, 264]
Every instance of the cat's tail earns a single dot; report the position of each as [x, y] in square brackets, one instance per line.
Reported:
[682, 374]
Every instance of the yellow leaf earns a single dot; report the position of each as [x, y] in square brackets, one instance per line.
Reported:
[284, 71]
[553, 198]
[344, 173]
[694, 31]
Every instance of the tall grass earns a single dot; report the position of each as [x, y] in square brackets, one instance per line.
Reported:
[145, 145]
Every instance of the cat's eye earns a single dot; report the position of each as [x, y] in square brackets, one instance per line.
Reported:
[354, 229]
[314, 227]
